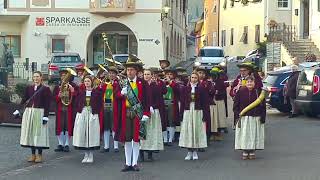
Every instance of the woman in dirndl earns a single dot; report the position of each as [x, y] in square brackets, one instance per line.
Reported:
[218, 110]
[86, 132]
[196, 110]
[154, 140]
[34, 128]
[249, 135]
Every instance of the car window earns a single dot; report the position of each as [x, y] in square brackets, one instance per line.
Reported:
[306, 77]
[211, 53]
[66, 59]
[121, 59]
[270, 79]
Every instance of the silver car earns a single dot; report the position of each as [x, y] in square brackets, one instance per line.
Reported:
[60, 61]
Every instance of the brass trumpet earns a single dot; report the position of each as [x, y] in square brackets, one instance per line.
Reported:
[66, 99]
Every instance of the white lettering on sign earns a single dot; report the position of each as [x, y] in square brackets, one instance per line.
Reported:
[63, 21]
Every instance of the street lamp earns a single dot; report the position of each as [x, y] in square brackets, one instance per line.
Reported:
[165, 12]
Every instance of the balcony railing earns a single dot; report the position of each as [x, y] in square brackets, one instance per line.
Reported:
[112, 6]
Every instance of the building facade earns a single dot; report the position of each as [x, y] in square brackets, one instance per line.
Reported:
[306, 18]
[243, 24]
[36, 29]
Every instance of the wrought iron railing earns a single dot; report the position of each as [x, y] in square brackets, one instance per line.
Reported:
[22, 71]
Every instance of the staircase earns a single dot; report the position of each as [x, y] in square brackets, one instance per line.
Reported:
[300, 48]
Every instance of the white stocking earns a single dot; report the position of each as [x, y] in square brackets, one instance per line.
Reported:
[135, 153]
[106, 137]
[128, 152]
[115, 143]
[66, 137]
[165, 136]
[171, 134]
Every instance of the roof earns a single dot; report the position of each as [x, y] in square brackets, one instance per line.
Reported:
[287, 69]
[66, 54]
[212, 47]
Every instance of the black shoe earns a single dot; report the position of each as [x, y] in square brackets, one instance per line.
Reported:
[126, 168]
[169, 144]
[135, 168]
[226, 130]
[116, 150]
[59, 148]
[156, 151]
[165, 144]
[104, 150]
[201, 150]
[66, 149]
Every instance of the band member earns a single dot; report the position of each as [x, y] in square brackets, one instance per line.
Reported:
[158, 75]
[130, 123]
[249, 124]
[34, 127]
[172, 106]
[111, 109]
[154, 93]
[196, 111]
[246, 69]
[210, 92]
[219, 117]
[65, 96]
[80, 72]
[86, 132]
[164, 64]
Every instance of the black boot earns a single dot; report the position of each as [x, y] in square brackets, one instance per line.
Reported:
[150, 157]
[141, 156]
[59, 148]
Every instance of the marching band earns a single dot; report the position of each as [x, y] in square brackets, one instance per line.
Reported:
[144, 109]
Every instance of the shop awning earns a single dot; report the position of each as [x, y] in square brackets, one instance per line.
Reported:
[13, 18]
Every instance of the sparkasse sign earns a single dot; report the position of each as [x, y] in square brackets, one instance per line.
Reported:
[63, 21]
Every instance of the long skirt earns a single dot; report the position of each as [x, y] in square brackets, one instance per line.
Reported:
[193, 129]
[86, 131]
[219, 114]
[250, 136]
[154, 139]
[214, 120]
[33, 132]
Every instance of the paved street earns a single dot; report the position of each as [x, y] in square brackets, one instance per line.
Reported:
[292, 152]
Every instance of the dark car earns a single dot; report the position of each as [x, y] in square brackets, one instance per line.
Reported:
[275, 82]
[308, 96]
[60, 61]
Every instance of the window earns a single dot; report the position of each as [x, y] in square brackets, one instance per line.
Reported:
[257, 34]
[14, 44]
[211, 53]
[283, 4]
[231, 36]
[244, 37]
[58, 45]
[223, 38]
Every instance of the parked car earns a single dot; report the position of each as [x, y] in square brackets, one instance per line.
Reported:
[275, 82]
[308, 96]
[121, 58]
[60, 61]
[210, 56]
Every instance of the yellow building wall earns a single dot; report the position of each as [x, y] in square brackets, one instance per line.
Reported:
[237, 17]
[211, 22]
